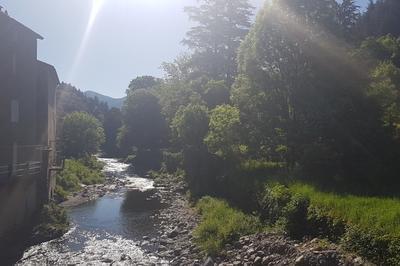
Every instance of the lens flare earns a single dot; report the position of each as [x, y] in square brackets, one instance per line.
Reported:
[95, 10]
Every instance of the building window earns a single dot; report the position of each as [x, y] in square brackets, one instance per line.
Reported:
[14, 111]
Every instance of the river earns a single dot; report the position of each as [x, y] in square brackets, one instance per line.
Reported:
[108, 230]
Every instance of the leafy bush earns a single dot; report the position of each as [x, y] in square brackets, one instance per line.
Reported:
[92, 163]
[172, 161]
[261, 165]
[272, 201]
[60, 194]
[379, 248]
[221, 224]
[82, 135]
[76, 173]
[322, 225]
[367, 225]
[52, 223]
[294, 216]
[280, 207]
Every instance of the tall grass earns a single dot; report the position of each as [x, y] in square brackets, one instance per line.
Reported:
[76, 172]
[221, 224]
[370, 213]
[372, 224]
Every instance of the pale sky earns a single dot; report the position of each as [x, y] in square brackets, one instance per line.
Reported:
[101, 45]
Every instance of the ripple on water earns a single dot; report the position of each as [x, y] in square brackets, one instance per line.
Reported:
[107, 230]
[113, 165]
[97, 251]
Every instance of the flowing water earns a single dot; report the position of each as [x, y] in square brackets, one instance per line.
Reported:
[107, 230]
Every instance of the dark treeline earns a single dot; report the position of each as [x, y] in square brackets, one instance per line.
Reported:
[309, 91]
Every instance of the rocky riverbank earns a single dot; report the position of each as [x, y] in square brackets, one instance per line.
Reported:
[275, 249]
[174, 242]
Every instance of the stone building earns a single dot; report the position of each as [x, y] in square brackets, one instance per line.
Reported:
[27, 127]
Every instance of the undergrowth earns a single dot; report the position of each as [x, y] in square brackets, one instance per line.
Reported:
[221, 224]
[85, 171]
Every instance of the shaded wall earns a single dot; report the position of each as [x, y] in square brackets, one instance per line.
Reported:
[27, 134]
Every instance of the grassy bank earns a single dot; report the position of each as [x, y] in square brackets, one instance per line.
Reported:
[221, 224]
[368, 226]
[368, 213]
[86, 171]
[371, 225]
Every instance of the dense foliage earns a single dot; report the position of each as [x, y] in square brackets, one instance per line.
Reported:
[85, 171]
[70, 100]
[82, 135]
[310, 92]
[222, 224]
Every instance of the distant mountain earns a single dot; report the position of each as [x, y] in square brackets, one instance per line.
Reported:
[111, 102]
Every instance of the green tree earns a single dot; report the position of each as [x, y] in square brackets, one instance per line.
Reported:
[144, 125]
[385, 88]
[349, 15]
[82, 135]
[112, 123]
[144, 82]
[382, 17]
[190, 124]
[220, 27]
[216, 93]
[302, 97]
[375, 50]
[223, 138]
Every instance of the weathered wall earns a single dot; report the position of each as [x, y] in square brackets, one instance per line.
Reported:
[31, 138]
[18, 203]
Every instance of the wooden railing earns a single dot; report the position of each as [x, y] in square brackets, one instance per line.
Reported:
[30, 164]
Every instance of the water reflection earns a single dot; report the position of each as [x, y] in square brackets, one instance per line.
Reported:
[106, 229]
[137, 201]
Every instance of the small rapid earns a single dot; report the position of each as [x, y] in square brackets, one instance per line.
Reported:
[109, 229]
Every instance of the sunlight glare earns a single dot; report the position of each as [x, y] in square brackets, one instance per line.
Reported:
[95, 9]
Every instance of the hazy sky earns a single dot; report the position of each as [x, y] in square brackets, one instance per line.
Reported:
[101, 45]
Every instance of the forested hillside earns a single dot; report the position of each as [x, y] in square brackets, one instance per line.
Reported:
[111, 102]
[309, 91]
[71, 99]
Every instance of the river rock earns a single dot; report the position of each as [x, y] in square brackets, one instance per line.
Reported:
[209, 262]
[173, 233]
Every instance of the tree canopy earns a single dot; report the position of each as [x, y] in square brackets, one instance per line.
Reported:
[82, 135]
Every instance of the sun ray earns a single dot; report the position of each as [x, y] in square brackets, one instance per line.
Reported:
[95, 10]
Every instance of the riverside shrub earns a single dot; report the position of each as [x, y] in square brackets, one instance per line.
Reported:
[284, 209]
[221, 224]
[76, 173]
[52, 223]
[369, 226]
